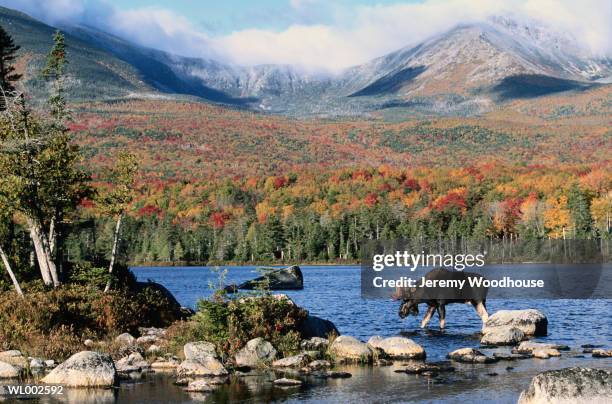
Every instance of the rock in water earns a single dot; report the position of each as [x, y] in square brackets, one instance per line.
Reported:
[204, 367]
[200, 386]
[198, 350]
[257, 352]
[602, 353]
[569, 385]
[296, 361]
[530, 321]
[84, 369]
[349, 349]
[502, 336]
[529, 347]
[314, 326]
[398, 347]
[8, 371]
[289, 278]
[470, 355]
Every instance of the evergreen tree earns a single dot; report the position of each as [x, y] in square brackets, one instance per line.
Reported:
[579, 205]
[8, 51]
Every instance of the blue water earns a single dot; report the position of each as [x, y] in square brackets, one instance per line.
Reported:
[333, 293]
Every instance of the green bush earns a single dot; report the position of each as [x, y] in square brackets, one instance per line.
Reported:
[231, 323]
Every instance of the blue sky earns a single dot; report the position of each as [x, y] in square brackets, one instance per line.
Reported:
[315, 34]
[224, 16]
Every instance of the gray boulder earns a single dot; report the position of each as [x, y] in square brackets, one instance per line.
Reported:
[199, 350]
[14, 357]
[295, 361]
[203, 367]
[398, 347]
[132, 363]
[531, 321]
[289, 278]
[348, 349]
[84, 369]
[569, 385]
[257, 352]
[502, 336]
[527, 347]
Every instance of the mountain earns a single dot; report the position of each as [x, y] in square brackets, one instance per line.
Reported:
[467, 70]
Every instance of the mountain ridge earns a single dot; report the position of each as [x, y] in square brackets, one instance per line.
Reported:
[466, 70]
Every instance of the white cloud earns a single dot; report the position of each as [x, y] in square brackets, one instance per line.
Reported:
[354, 35]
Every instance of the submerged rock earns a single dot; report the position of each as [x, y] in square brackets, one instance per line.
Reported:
[200, 386]
[257, 352]
[319, 365]
[528, 347]
[287, 382]
[397, 347]
[84, 369]
[470, 355]
[349, 349]
[569, 385]
[510, 356]
[531, 322]
[422, 367]
[502, 336]
[289, 278]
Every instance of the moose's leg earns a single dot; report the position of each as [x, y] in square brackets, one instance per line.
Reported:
[442, 315]
[428, 316]
[482, 312]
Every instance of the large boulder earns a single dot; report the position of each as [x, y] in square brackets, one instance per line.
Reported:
[502, 336]
[257, 352]
[398, 347]
[531, 322]
[470, 355]
[199, 350]
[314, 326]
[8, 371]
[289, 278]
[349, 349]
[84, 369]
[569, 385]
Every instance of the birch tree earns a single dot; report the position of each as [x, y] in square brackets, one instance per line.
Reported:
[117, 199]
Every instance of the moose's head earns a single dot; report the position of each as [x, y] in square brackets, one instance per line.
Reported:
[409, 305]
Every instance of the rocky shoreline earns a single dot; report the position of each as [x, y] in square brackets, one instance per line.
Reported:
[201, 368]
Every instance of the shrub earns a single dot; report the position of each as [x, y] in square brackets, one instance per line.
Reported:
[231, 323]
[55, 321]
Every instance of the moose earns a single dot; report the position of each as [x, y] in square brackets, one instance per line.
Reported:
[437, 297]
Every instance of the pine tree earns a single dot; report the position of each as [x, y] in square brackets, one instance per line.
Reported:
[8, 49]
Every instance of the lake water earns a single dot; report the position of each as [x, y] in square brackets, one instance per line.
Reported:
[333, 293]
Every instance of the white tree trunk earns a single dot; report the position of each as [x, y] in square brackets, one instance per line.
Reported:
[113, 252]
[48, 270]
[7, 265]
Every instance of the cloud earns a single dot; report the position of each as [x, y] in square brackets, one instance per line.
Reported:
[347, 35]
